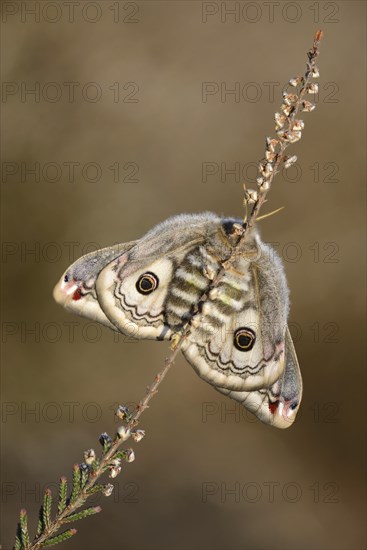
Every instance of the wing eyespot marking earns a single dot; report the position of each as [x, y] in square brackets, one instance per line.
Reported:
[147, 283]
[244, 339]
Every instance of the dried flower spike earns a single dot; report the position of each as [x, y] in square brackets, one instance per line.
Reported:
[106, 441]
[289, 161]
[280, 120]
[294, 136]
[122, 412]
[209, 272]
[295, 81]
[137, 435]
[271, 143]
[312, 88]
[123, 433]
[266, 168]
[289, 99]
[286, 109]
[307, 106]
[114, 471]
[89, 456]
[105, 438]
[270, 156]
[129, 455]
[265, 186]
[298, 125]
[250, 196]
[107, 490]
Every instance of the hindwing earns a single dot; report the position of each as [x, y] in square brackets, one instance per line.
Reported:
[277, 405]
[237, 342]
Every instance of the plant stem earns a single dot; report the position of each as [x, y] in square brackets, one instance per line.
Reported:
[83, 496]
[283, 142]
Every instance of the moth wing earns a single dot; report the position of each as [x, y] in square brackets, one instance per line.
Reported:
[161, 248]
[277, 405]
[130, 312]
[155, 258]
[76, 291]
[240, 308]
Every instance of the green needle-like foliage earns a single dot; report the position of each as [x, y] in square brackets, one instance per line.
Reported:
[63, 494]
[76, 483]
[46, 509]
[60, 538]
[83, 514]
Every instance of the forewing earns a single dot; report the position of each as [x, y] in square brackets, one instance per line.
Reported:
[132, 290]
[159, 249]
[132, 312]
[76, 291]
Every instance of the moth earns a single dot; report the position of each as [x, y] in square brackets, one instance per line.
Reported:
[173, 278]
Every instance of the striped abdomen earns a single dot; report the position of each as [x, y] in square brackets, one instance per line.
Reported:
[226, 301]
[190, 281]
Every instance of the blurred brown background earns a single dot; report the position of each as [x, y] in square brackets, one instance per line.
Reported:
[120, 84]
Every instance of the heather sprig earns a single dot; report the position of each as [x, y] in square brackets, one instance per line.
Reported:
[288, 127]
[86, 476]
